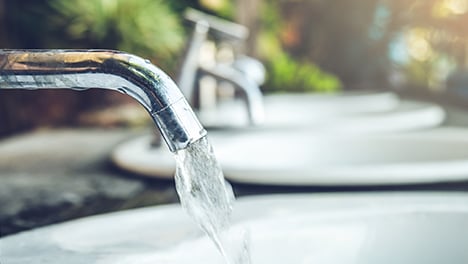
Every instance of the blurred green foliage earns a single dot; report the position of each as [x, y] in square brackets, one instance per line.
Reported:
[284, 72]
[149, 28]
[287, 74]
[222, 8]
[355, 40]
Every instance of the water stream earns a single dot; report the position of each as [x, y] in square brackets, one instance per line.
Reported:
[199, 180]
[209, 199]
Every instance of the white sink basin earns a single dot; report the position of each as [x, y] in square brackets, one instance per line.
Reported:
[306, 158]
[351, 113]
[381, 228]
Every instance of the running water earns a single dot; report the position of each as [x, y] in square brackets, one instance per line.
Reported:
[209, 199]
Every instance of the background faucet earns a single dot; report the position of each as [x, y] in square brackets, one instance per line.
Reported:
[244, 73]
[105, 69]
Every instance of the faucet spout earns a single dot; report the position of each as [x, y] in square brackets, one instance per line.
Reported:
[250, 90]
[106, 69]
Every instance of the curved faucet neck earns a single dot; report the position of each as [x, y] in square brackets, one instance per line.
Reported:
[106, 69]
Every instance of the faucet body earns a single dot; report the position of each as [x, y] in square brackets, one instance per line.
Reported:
[106, 69]
[234, 74]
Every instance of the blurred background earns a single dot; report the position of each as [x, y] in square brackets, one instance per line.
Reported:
[413, 49]
[415, 46]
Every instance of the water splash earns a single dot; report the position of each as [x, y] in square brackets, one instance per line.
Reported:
[209, 199]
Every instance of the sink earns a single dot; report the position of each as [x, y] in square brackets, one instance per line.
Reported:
[350, 112]
[385, 228]
[313, 158]
[351, 116]
[319, 105]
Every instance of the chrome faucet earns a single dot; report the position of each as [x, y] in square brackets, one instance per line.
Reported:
[237, 74]
[106, 69]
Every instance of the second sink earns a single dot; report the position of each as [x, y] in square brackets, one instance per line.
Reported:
[350, 112]
[308, 158]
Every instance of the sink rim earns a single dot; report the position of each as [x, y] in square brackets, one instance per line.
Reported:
[334, 105]
[55, 237]
[405, 115]
[135, 157]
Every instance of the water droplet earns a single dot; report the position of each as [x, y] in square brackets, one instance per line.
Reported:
[148, 61]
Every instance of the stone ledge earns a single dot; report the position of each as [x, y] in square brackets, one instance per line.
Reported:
[50, 176]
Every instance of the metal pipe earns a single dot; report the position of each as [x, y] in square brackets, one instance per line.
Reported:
[106, 69]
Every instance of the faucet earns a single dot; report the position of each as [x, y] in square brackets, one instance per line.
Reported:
[106, 69]
[251, 93]
[234, 74]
